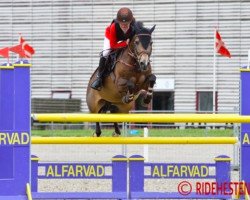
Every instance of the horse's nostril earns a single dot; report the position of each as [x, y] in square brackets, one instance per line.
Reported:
[143, 65]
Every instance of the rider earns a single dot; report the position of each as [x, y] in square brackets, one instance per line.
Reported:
[117, 35]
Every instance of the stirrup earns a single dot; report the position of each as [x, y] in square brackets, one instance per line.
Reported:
[97, 84]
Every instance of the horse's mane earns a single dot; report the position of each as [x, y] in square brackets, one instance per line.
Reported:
[140, 28]
[139, 24]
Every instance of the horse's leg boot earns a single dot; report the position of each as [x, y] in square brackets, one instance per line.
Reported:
[97, 84]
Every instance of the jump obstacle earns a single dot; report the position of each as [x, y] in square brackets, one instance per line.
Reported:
[142, 118]
[134, 140]
[18, 177]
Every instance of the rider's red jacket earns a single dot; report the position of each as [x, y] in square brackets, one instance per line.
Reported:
[115, 35]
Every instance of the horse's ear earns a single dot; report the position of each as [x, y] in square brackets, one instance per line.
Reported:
[152, 29]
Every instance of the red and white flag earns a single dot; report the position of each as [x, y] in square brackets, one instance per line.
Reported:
[18, 50]
[220, 46]
[4, 52]
[28, 50]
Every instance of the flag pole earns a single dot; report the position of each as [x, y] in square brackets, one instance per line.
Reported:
[19, 58]
[214, 74]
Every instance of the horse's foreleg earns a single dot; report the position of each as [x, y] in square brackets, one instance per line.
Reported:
[98, 131]
[148, 97]
[130, 93]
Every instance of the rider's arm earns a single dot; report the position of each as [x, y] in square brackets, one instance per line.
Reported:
[112, 38]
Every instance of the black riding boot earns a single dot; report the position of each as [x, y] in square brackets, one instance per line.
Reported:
[97, 84]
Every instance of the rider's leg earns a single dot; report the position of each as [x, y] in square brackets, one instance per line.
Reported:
[97, 84]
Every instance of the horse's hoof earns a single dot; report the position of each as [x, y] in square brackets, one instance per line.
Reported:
[127, 99]
[95, 135]
[115, 134]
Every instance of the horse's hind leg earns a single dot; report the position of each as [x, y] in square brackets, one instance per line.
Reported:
[117, 132]
[98, 131]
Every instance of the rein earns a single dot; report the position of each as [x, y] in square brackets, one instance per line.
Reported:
[127, 64]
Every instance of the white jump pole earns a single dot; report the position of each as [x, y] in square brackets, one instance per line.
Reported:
[145, 147]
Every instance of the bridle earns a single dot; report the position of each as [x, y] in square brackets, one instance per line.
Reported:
[133, 53]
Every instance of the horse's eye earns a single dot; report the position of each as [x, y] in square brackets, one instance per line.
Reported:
[151, 43]
[136, 42]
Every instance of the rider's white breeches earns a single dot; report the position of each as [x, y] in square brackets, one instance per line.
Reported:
[106, 47]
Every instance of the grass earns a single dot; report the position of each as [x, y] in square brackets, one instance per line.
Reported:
[153, 132]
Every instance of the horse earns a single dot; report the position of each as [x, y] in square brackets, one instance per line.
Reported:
[131, 77]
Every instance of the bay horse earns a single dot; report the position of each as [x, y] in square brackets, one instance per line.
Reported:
[130, 78]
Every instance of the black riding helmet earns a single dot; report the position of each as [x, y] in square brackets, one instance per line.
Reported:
[125, 15]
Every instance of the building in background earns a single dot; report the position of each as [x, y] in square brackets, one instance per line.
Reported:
[68, 36]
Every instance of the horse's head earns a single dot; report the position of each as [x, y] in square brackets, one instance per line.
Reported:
[141, 45]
